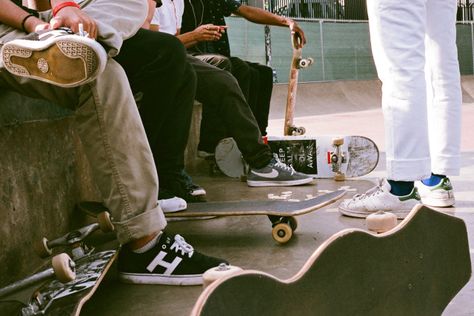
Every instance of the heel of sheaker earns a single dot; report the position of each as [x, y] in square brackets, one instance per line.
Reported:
[78, 50]
[8, 52]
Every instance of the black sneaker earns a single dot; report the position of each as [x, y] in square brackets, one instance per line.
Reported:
[181, 185]
[276, 173]
[58, 57]
[172, 261]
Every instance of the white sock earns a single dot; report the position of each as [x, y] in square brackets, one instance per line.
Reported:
[148, 245]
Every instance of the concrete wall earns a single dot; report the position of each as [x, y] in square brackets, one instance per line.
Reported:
[43, 174]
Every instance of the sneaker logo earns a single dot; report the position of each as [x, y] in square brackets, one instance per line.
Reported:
[271, 175]
[169, 266]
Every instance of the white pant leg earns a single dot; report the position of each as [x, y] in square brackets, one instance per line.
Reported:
[397, 33]
[444, 86]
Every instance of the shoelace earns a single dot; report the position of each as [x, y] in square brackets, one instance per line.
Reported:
[371, 192]
[283, 166]
[181, 245]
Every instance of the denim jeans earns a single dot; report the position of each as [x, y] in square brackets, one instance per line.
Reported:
[414, 49]
[108, 122]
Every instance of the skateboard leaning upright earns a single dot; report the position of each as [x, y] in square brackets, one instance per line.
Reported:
[414, 269]
[297, 63]
[281, 213]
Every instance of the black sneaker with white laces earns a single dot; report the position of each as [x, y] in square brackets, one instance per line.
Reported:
[276, 173]
[172, 261]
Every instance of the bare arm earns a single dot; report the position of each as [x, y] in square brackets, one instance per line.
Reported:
[13, 15]
[261, 16]
[204, 33]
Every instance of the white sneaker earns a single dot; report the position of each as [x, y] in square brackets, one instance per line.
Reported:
[175, 204]
[440, 195]
[379, 198]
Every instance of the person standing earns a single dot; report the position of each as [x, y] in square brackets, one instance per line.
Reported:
[414, 49]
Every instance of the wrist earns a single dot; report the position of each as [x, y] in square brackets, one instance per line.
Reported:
[30, 24]
[63, 4]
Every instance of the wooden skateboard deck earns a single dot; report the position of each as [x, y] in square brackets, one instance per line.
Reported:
[313, 155]
[281, 213]
[414, 269]
[297, 62]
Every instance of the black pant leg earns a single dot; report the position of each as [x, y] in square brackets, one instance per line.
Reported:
[156, 66]
[219, 91]
[264, 94]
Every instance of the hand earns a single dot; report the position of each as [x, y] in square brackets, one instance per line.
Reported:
[71, 17]
[298, 33]
[208, 32]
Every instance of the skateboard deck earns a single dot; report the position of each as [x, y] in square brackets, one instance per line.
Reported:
[414, 269]
[281, 213]
[297, 63]
[69, 284]
[56, 298]
[323, 156]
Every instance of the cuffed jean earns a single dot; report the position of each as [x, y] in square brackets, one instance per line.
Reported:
[414, 48]
[108, 122]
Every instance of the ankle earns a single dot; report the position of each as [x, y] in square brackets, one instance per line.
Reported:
[137, 244]
[401, 188]
[434, 179]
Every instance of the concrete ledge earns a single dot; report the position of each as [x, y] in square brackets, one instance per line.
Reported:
[43, 174]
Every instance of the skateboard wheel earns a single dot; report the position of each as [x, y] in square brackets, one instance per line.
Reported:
[380, 222]
[41, 248]
[213, 274]
[339, 176]
[338, 141]
[282, 233]
[64, 268]
[105, 223]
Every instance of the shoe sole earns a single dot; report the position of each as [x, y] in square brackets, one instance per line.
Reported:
[350, 213]
[136, 278]
[438, 202]
[67, 61]
[269, 183]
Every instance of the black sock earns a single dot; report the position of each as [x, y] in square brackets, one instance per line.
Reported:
[401, 187]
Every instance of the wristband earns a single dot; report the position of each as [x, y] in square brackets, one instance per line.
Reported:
[24, 21]
[63, 5]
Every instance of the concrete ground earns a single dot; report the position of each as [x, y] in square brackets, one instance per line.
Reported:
[323, 108]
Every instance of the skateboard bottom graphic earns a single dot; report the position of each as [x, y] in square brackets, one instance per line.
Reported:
[323, 156]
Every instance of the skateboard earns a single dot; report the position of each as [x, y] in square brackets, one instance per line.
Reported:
[414, 269]
[297, 63]
[281, 213]
[322, 156]
[58, 296]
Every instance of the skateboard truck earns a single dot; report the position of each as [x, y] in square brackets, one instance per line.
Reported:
[75, 239]
[337, 158]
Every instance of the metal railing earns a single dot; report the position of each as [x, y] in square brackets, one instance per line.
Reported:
[338, 9]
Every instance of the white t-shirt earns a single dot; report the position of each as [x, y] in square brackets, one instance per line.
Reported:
[169, 16]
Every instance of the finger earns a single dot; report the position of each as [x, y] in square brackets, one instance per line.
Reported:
[56, 22]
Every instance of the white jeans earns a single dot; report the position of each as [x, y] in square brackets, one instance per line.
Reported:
[414, 48]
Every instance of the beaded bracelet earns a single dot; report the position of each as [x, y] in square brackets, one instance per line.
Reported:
[24, 21]
[63, 5]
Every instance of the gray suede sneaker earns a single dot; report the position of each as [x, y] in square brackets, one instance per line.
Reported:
[276, 173]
